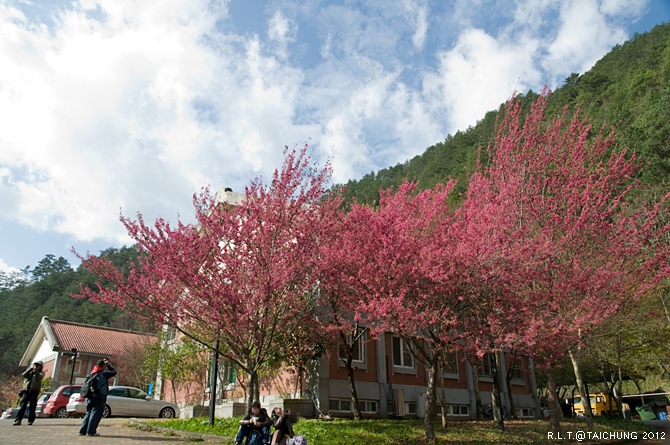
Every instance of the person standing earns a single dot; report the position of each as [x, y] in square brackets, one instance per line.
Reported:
[95, 405]
[30, 392]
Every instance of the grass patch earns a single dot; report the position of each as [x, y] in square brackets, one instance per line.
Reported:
[410, 432]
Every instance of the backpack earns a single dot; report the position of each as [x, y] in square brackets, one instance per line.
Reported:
[89, 387]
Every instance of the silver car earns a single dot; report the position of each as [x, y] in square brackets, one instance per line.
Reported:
[126, 401]
[9, 413]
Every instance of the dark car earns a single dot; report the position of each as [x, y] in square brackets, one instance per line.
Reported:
[41, 403]
[56, 404]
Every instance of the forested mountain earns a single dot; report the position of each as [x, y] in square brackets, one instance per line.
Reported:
[45, 290]
[628, 89]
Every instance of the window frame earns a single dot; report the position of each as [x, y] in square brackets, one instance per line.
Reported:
[404, 350]
[361, 363]
[530, 413]
[364, 405]
[481, 367]
[414, 408]
[448, 373]
[518, 373]
[452, 408]
[69, 365]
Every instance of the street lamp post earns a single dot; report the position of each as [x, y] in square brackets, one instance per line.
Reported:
[212, 383]
[74, 362]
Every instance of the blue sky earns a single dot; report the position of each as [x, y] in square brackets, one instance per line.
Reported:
[119, 105]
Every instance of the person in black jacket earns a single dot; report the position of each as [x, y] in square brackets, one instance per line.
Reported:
[255, 426]
[31, 390]
[95, 406]
[283, 428]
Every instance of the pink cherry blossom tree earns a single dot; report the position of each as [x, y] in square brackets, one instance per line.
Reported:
[570, 247]
[394, 267]
[241, 278]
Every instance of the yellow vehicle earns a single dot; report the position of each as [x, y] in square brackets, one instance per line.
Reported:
[601, 405]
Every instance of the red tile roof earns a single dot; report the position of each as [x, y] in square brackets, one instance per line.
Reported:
[96, 340]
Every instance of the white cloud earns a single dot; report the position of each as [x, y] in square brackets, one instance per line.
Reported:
[7, 269]
[135, 105]
[282, 32]
[584, 35]
[478, 74]
[418, 15]
[533, 13]
[127, 112]
[630, 8]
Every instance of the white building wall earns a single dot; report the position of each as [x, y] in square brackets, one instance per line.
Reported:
[44, 353]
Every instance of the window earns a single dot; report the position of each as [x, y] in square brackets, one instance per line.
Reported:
[410, 408]
[402, 353]
[227, 376]
[170, 335]
[137, 394]
[77, 366]
[344, 405]
[485, 366]
[119, 392]
[450, 365]
[358, 349]
[525, 412]
[368, 406]
[517, 370]
[457, 410]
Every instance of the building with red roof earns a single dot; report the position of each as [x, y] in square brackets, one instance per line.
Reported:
[55, 342]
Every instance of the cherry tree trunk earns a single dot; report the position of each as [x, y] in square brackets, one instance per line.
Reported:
[352, 389]
[253, 393]
[475, 386]
[552, 402]
[581, 388]
[508, 379]
[495, 394]
[443, 397]
[431, 403]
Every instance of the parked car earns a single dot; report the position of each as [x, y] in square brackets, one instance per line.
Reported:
[9, 413]
[126, 401]
[41, 403]
[56, 404]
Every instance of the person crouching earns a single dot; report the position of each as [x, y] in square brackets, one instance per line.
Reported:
[283, 429]
[255, 426]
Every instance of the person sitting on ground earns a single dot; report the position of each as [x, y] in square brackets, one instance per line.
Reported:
[283, 429]
[255, 426]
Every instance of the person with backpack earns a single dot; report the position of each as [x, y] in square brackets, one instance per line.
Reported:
[95, 390]
[31, 390]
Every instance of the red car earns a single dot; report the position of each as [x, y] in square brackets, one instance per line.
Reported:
[55, 406]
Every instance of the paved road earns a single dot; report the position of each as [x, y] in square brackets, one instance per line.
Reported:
[66, 431]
